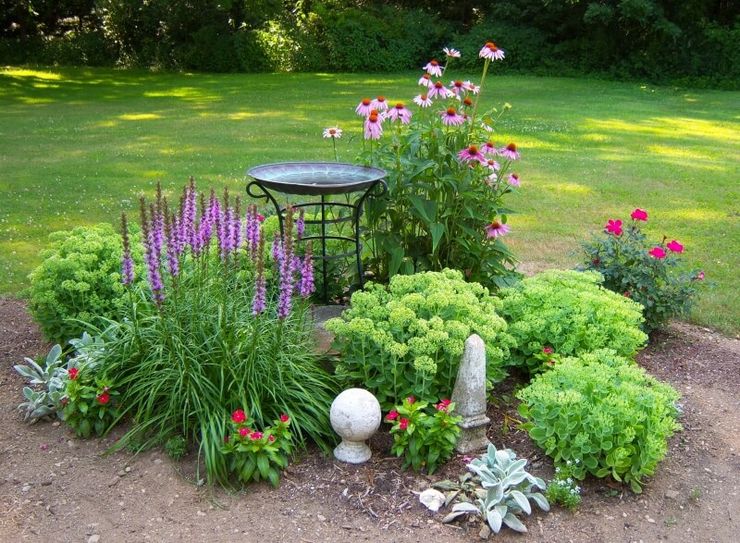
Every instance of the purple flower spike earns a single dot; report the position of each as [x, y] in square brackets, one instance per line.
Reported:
[277, 249]
[306, 286]
[189, 214]
[260, 291]
[286, 268]
[253, 233]
[173, 261]
[152, 256]
[127, 263]
[300, 225]
[236, 228]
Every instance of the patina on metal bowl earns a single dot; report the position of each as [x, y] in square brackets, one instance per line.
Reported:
[316, 178]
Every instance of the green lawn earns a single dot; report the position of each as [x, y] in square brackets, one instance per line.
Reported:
[78, 145]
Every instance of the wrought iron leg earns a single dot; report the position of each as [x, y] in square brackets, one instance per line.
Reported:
[323, 249]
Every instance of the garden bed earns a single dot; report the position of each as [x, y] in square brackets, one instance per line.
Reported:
[57, 487]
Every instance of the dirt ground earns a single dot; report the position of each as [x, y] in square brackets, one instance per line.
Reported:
[54, 487]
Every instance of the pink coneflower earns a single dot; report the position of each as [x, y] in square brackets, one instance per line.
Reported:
[380, 103]
[438, 89]
[422, 100]
[470, 86]
[675, 247]
[426, 80]
[491, 52]
[489, 148]
[452, 53]
[457, 87]
[373, 127]
[467, 102]
[470, 154]
[365, 107]
[399, 112]
[450, 117]
[496, 229]
[513, 180]
[493, 165]
[333, 132]
[614, 226]
[657, 252]
[509, 152]
[639, 215]
[433, 68]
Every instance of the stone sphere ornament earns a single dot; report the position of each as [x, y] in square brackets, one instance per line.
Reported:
[355, 416]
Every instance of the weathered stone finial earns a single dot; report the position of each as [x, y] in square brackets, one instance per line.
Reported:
[469, 396]
[355, 416]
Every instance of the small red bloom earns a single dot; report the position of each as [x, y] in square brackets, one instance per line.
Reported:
[244, 432]
[103, 398]
[548, 350]
[226, 438]
[657, 252]
[614, 227]
[443, 405]
[675, 246]
[271, 439]
[699, 276]
[260, 217]
[284, 418]
[239, 416]
[254, 436]
[393, 415]
[411, 399]
[403, 424]
[639, 215]
[627, 294]
[72, 373]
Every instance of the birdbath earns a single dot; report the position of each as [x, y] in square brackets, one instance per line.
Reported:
[322, 180]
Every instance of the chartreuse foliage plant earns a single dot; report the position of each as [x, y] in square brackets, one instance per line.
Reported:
[601, 414]
[502, 491]
[570, 313]
[425, 436]
[406, 338]
[78, 280]
[648, 272]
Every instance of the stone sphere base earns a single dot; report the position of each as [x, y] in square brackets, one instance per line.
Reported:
[352, 452]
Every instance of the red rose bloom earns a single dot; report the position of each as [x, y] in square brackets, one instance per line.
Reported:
[238, 416]
[284, 418]
[72, 373]
[403, 424]
[103, 398]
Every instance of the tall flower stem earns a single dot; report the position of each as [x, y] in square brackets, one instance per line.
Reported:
[477, 98]
[334, 143]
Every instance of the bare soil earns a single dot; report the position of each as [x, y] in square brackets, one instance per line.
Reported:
[55, 487]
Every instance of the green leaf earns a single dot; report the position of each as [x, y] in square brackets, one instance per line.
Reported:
[437, 230]
[263, 465]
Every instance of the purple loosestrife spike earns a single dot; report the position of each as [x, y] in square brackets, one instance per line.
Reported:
[260, 290]
[300, 225]
[285, 299]
[307, 286]
[173, 262]
[127, 263]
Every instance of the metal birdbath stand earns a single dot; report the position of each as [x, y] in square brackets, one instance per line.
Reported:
[322, 180]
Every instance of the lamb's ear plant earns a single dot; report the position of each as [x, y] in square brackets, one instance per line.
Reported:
[43, 398]
[504, 493]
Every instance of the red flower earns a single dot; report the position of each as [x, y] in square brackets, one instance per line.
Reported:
[271, 439]
[284, 418]
[254, 436]
[393, 415]
[657, 252]
[72, 373]
[239, 416]
[699, 276]
[443, 405]
[639, 214]
[675, 246]
[403, 424]
[627, 294]
[614, 226]
[411, 399]
[548, 350]
[260, 217]
[103, 398]
[244, 432]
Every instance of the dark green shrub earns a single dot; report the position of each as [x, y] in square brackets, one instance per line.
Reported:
[79, 279]
[406, 339]
[647, 272]
[570, 313]
[601, 414]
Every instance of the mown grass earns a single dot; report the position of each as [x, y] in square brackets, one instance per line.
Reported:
[79, 145]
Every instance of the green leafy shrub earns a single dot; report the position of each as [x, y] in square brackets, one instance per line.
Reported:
[254, 455]
[645, 271]
[406, 339]
[570, 313]
[563, 489]
[424, 440]
[79, 279]
[176, 447]
[601, 414]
